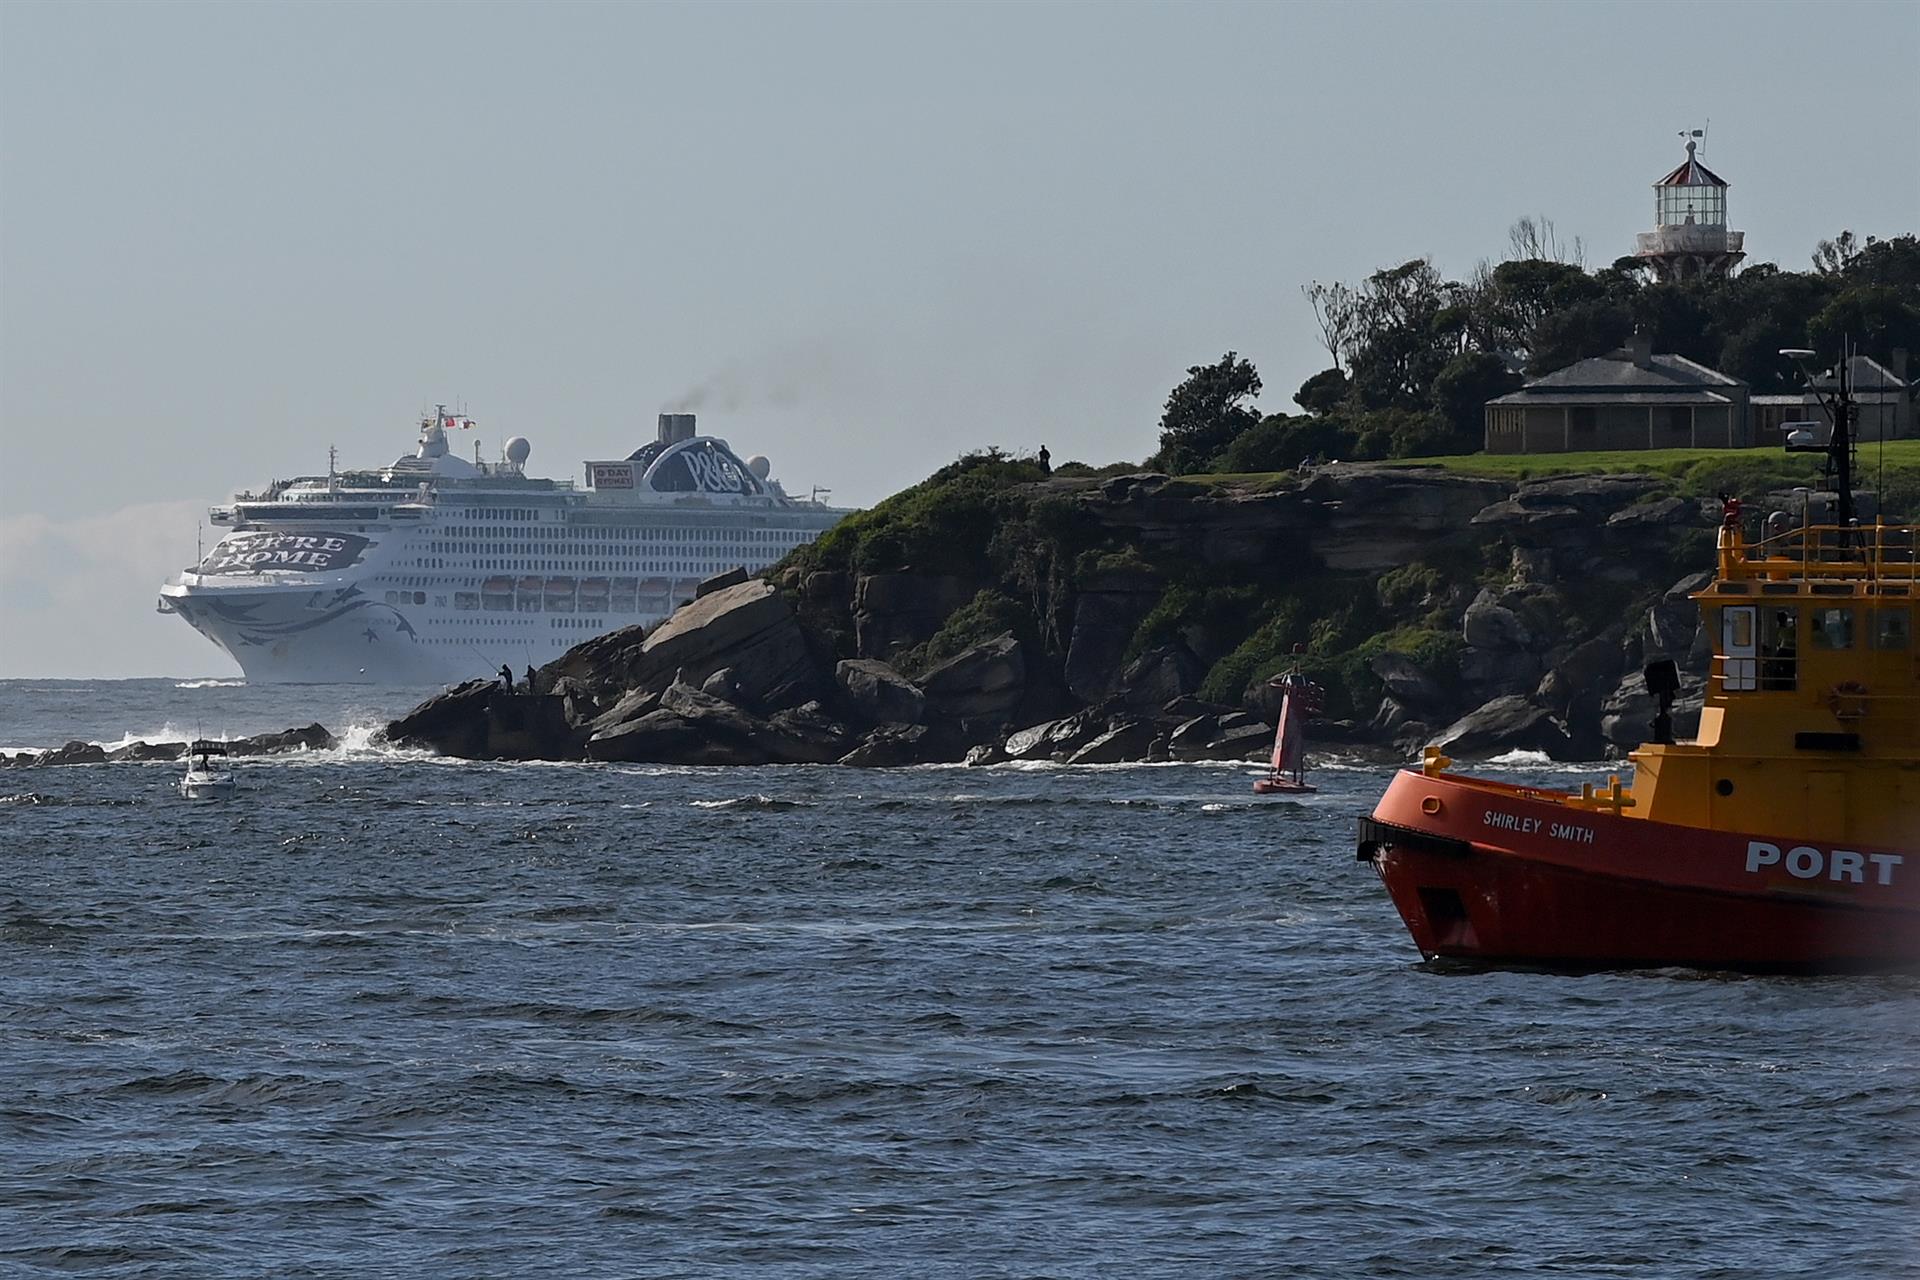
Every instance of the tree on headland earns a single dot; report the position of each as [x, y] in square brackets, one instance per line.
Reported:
[1336, 310]
[1206, 412]
[1460, 392]
[1872, 317]
[1408, 330]
[1323, 392]
[1585, 329]
[1508, 302]
[1832, 257]
[1893, 263]
[1532, 239]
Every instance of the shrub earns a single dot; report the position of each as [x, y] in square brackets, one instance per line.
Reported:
[1262, 654]
[1279, 443]
[1401, 591]
[988, 614]
[943, 524]
[1228, 613]
[1353, 691]
[1086, 471]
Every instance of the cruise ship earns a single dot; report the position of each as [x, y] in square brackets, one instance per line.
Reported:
[437, 569]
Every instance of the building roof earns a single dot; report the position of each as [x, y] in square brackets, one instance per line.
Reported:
[1616, 372]
[1868, 375]
[1692, 174]
[1678, 395]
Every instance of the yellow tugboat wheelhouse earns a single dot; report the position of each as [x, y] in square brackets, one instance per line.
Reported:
[1784, 836]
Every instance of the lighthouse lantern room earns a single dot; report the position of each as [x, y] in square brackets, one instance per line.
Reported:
[1690, 237]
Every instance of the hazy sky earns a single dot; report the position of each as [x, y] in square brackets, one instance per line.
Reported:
[864, 238]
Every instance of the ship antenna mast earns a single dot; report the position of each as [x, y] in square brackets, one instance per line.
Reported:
[1840, 411]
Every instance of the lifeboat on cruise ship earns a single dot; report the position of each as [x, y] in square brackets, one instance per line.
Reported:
[560, 593]
[1782, 837]
[496, 595]
[594, 593]
[624, 597]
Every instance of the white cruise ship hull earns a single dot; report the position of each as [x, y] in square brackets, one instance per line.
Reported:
[321, 636]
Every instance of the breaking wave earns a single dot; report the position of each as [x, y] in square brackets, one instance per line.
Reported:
[768, 803]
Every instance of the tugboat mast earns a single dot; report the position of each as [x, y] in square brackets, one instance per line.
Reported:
[1840, 410]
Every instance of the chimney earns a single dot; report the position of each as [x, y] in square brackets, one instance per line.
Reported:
[675, 427]
[1640, 348]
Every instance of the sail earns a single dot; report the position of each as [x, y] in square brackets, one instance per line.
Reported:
[1289, 739]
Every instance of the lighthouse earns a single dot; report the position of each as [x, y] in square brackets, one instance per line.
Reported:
[1690, 239]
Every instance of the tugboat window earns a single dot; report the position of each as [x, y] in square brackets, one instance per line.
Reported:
[1833, 628]
[1736, 638]
[1779, 662]
[1895, 626]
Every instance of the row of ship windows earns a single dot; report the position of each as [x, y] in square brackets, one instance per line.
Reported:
[591, 549]
[708, 568]
[556, 642]
[570, 601]
[553, 600]
[571, 533]
[563, 624]
[441, 584]
[467, 599]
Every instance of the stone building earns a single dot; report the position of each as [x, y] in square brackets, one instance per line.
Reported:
[1627, 399]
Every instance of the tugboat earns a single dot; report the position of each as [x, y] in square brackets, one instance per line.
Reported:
[1782, 838]
[205, 780]
[1299, 698]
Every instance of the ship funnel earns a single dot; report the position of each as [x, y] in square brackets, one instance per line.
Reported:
[675, 427]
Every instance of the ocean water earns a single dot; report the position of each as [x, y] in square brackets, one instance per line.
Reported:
[391, 1015]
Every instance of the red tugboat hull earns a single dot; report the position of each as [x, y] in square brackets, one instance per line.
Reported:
[1485, 871]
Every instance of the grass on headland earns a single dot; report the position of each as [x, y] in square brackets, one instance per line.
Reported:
[1903, 454]
[1893, 470]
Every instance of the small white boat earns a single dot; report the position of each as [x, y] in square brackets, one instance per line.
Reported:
[208, 776]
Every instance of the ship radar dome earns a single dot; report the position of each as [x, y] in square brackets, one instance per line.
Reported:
[518, 451]
[760, 467]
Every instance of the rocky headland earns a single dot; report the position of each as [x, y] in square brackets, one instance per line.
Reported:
[997, 613]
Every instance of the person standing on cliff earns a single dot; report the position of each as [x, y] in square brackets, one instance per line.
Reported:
[506, 677]
[1046, 461]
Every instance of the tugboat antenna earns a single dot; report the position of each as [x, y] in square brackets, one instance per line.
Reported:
[1842, 443]
[1840, 410]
